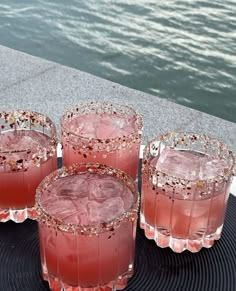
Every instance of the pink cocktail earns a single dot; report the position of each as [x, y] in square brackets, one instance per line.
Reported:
[185, 188]
[27, 154]
[87, 216]
[104, 133]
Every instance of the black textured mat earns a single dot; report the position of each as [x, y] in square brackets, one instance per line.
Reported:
[155, 268]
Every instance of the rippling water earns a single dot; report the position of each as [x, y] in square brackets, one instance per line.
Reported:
[182, 50]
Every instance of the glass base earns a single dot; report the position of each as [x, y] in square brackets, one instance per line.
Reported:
[119, 284]
[176, 244]
[17, 215]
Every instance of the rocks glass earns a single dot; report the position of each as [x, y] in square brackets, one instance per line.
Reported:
[87, 216]
[27, 154]
[185, 188]
[105, 133]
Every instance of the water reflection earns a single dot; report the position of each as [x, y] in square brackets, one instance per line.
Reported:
[183, 51]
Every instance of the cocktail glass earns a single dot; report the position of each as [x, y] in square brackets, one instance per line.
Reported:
[27, 154]
[104, 133]
[87, 215]
[186, 179]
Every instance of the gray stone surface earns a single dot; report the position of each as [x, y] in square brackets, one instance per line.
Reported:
[15, 69]
[33, 83]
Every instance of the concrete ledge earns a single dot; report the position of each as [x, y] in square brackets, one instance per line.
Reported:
[33, 83]
[15, 69]
[27, 82]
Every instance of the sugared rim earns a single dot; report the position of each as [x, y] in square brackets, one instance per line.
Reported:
[222, 146]
[79, 168]
[36, 117]
[136, 131]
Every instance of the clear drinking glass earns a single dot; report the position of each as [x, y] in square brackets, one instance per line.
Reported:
[27, 154]
[104, 133]
[81, 249]
[185, 188]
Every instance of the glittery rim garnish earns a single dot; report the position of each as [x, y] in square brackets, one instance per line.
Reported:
[27, 120]
[93, 229]
[93, 144]
[201, 143]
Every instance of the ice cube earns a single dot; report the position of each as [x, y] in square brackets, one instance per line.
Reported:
[81, 213]
[83, 125]
[104, 131]
[47, 199]
[89, 130]
[181, 164]
[104, 188]
[119, 123]
[126, 125]
[105, 211]
[85, 198]
[110, 126]
[80, 126]
[61, 208]
[76, 188]
[211, 167]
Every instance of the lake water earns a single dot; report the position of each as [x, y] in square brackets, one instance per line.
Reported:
[183, 51]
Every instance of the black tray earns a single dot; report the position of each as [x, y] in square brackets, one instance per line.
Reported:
[155, 268]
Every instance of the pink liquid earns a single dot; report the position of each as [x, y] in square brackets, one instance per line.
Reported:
[87, 260]
[103, 126]
[180, 212]
[20, 177]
